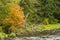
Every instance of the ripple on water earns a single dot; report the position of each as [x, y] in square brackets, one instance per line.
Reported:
[55, 37]
[49, 37]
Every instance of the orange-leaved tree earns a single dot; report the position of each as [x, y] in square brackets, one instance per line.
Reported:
[15, 17]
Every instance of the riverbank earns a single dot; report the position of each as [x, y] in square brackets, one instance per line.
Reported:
[41, 30]
[35, 31]
[40, 33]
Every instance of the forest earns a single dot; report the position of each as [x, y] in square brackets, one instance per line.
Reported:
[26, 17]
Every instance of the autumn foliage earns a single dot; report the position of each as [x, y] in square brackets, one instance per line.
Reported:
[15, 17]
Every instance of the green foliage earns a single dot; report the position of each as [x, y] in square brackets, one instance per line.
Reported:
[3, 35]
[1, 30]
[45, 21]
[52, 26]
[38, 10]
[29, 28]
[12, 35]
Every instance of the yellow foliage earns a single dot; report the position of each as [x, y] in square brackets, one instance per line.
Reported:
[15, 17]
[46, 21]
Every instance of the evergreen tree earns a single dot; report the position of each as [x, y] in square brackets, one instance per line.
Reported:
[39, 10]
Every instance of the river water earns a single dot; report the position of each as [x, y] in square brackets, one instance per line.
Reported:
[45, 37]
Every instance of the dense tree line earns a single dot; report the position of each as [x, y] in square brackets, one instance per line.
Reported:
[36, 12]
[42, 11]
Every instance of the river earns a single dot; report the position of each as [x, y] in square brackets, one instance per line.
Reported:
[45, 37]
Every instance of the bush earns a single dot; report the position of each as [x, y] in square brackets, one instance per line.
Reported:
[45, 21]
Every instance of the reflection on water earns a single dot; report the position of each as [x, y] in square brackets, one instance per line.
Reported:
[46, 37]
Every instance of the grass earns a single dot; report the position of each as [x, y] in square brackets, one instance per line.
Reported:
[44, 27]
[52, 26]
[4, 35]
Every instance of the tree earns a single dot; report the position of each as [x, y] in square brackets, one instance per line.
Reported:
[14, 16]
[40, 10]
